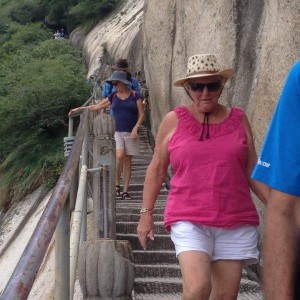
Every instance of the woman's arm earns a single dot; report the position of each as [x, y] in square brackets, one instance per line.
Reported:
[103, 104]
[155, 176]
[261, 190]
[141, 113]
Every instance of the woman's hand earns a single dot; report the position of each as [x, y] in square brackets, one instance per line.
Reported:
[75, 110]
[134, 132]
[145, 228]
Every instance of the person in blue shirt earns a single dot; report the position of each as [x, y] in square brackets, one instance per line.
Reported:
[278, 167]
[121, 65]
[129, 115]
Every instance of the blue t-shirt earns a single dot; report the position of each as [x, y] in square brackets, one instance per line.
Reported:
[125, 111]
[278, 165]
[109, 88]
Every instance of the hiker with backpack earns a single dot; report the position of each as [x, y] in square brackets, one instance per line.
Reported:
[121, 65]
[129, 114]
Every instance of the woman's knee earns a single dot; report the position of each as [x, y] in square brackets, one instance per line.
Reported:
[120, 156]
[197, 291]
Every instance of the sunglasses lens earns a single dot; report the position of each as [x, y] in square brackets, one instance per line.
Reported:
[211, 87]
[197, 87]
[214, 86]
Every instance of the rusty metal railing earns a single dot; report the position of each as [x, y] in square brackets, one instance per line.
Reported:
[22, 279]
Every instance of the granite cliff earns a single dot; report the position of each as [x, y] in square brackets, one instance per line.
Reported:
[260, 39]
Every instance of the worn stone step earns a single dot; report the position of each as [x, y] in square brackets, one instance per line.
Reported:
[161, 241]
[178, 296]
[158, 285]
[135, 195]
[156, 296]
[135, 208]
[165, 270]
[154, 257]
[135, 192]
[130, 227]
[135, 218]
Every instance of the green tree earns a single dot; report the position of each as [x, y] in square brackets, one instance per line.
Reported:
[40, 83]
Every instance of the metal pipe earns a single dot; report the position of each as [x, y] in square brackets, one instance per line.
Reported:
[76, 229]
[71, 125]
[105, 206]
[62, 257]
[93, 170]
[77, 216]
[21, 281]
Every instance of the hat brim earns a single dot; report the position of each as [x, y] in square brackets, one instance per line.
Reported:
[227, 73]
[110, 80]
[120, 69]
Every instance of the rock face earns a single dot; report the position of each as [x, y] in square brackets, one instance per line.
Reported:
[260, 39]
[118, 36]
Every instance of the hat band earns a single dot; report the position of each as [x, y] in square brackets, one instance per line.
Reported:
[203, 72]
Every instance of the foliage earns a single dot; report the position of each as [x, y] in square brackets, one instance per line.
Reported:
[41, 80]
[63, 13]
[89, 12]
[27, 11]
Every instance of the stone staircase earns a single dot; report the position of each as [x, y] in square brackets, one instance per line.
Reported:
[157, 273]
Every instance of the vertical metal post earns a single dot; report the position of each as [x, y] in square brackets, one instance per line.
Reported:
[104, 199]
[70, 129]
[62, 257]
[77, 216]
[83, 234]
[74, 184]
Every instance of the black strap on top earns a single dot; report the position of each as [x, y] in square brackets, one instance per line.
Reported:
[205, 123]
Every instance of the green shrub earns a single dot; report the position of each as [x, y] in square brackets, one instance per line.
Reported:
[25, 12]
[90, 12]
[37, 88]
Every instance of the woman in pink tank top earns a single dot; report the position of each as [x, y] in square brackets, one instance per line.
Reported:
[209, 211]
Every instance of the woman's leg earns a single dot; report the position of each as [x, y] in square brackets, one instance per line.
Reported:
[226, 276]
[196, 274]
[120, 155]
[127, 171]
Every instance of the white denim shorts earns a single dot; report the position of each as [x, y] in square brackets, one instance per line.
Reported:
[239, 243]
[127, 143]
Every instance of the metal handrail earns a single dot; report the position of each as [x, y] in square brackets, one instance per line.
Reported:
[22, 279]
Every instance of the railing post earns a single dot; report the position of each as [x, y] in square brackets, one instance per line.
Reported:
[62, 256]
[74, 185]
[79, 212]
[104, 156]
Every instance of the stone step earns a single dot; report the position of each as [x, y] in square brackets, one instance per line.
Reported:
[158, 285]
[164, 270]
[135, 218]
[137, 203]
[130, 227]
[136, 192]
[161, 241]
[135, 207]
[178, 296]
[154, 257]
[156, 296]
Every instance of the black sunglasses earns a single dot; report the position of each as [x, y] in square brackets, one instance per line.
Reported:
[211, 87]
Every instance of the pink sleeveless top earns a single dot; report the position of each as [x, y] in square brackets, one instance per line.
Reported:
[209, 184]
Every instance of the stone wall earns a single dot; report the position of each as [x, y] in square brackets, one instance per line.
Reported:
[260, 39]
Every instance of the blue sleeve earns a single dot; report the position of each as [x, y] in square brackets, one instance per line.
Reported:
[136, 86]
[106, 90]
[278, 165]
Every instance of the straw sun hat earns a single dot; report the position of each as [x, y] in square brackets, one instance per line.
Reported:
[203, 65]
